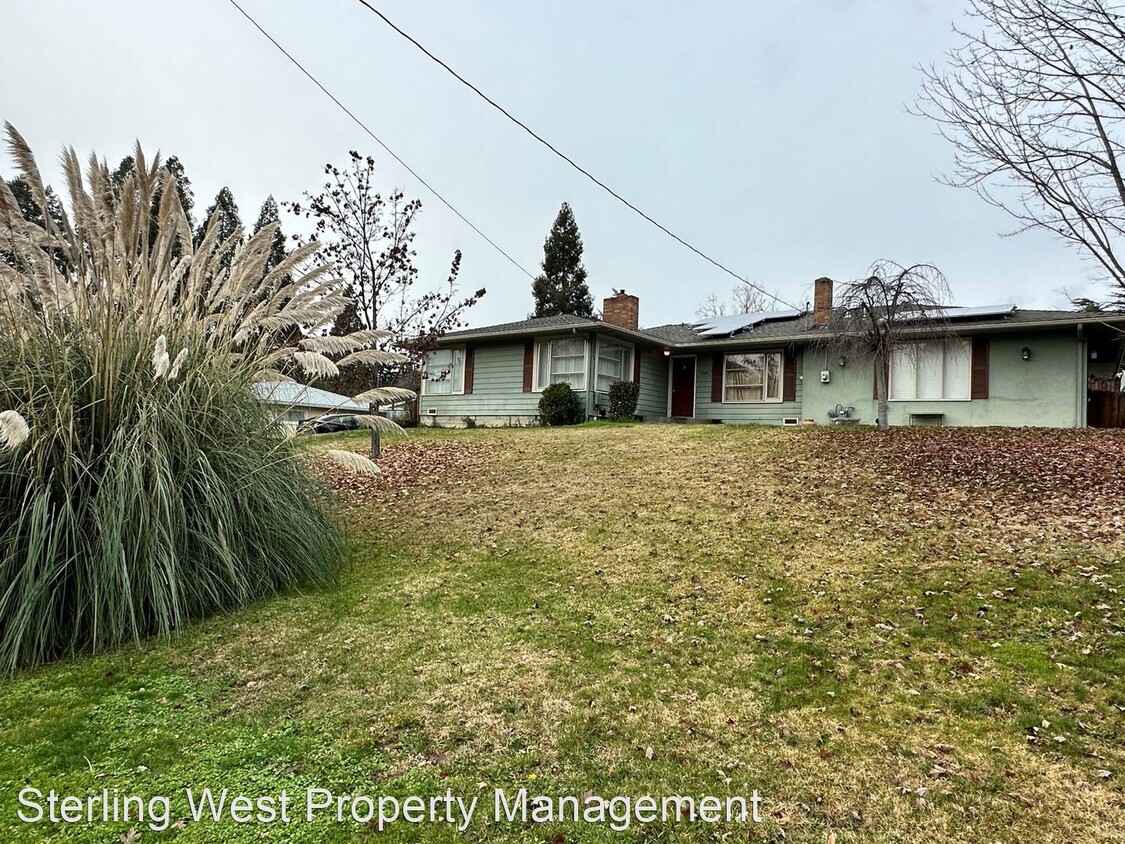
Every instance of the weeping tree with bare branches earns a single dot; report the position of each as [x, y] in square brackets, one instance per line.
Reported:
[876, 314]
[143, 483]
[1033, 101]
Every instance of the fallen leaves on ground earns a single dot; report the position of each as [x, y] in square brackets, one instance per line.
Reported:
[1044, 478]
[405, 467]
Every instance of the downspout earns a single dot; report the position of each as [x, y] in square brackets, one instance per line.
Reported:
[592, 375]
[1083, 370]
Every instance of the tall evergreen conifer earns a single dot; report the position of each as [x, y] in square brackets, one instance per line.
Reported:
[561, 287]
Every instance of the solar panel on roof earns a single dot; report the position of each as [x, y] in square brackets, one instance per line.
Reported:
[951, 313]
[721, 326]
[727, 324]
[984, 311]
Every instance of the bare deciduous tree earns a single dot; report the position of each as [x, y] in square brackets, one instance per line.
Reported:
[743, 299]
[1033, 101]
[873, 314]
[368, 239]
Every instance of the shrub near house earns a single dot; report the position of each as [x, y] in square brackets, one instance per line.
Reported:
[560, 405]
[623, 397]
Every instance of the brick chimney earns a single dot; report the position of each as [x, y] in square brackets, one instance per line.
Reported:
[822, 301]
[622, 310]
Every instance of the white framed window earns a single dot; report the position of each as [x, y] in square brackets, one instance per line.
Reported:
[615, 363]
[754, 377]
[560, 360]
[931, 370]
[444, 374]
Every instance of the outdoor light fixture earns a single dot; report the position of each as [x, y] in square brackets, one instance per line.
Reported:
[667, 352]
[1025, 353]
[843, 361]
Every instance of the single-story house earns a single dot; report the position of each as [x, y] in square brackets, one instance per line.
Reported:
[293, 402]
[999, 365]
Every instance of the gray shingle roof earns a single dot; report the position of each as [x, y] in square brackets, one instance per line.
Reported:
[525, 326]
[683, 333]
[797, 330]
[543, 325]
[801, 329]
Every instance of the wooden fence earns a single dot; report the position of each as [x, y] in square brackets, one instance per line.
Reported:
[1106, 405]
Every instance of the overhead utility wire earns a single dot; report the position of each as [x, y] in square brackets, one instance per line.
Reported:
[379, 141]
[565, 157]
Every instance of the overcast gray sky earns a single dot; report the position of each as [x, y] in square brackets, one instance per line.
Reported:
[772, 136]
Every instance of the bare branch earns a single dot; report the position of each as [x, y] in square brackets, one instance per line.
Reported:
[1033, 102]
[368, 240]
[743, 299]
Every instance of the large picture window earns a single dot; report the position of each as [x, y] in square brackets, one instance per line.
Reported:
[561, 360]
[445, 372]
[933, 370]
[615, 363]
[752, 377]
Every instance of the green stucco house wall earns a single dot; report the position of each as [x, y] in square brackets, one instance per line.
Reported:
[1048, 389]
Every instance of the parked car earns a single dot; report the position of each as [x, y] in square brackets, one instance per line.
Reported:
[329, 423]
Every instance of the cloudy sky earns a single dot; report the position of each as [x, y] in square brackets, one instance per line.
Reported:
[773, 136]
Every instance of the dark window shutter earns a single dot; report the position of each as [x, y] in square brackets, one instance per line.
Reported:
[469, 370]
[717, 379]
[789, 377]
[636, 366]
[528, 365]
[979, 372]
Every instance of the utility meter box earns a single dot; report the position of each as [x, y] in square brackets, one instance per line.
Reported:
[825, 376]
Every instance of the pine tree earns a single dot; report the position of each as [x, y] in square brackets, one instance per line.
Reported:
[230, 222]
[124, 170]
[561, 287]
[271, 215]
[183, 190]
[183, 187]
[29, 208]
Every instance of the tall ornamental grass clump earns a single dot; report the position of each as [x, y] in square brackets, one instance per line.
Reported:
[142, 482]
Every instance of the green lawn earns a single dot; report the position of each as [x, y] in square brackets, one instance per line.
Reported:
[906, 638]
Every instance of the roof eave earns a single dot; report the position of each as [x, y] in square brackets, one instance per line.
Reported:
[809, 336]
[546, 331]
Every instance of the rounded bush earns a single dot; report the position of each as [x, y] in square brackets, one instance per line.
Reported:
[560, 405]
[623, 396]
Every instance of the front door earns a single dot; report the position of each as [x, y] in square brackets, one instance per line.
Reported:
[683, 386]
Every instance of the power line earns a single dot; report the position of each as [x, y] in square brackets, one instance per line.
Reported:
[565, 157]
[379, 141]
